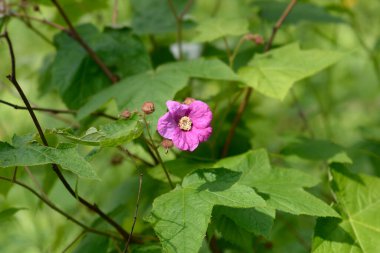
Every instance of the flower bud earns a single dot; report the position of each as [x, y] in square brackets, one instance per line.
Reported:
[255, 38]
[188, 100]
[166, 143]
[125, 114]
[148, 107]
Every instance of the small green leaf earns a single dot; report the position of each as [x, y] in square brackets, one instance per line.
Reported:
[33, 153]
[109, 135]
[215, 28]
[275, 72]
[358, 199]
[185, 212]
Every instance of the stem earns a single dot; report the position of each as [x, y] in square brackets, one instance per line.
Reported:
[55, 111]
[75, 35]
[92, 207]
[44, 21]
[158, 154]
[302, 114]
[74, 241]
[135, 157]
[248, 91]
[279, 23]
[179, 19]
[136, 211]
[57, 209]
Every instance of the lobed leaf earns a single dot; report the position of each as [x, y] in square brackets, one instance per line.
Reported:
[274, 73]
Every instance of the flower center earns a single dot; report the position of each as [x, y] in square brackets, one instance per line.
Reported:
[185, 123]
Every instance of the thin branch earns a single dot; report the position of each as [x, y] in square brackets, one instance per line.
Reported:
[248, 90]
[74, 241]
[113, 78]
[60, 211]
[44, 21]
[92, 207]
[55, 111]
[135, 157]
[279, 23]
[302, 114]
[236, 121]
[158, 156]
[179, 19]
[38, 186]
[136, 212]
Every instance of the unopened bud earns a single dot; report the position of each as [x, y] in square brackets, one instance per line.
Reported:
[148, 107]
[167, 144]
[117, 159]
[125, 114]
[188, 101]
[36, 8]
[255, 38]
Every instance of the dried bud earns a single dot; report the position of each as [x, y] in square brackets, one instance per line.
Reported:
[36, 8]
[117, 159]
[255, 38]
[166, 143]
[188, 101]
[125, 114]
[148, 107]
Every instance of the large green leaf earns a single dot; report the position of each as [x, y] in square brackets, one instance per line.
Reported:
[358, 199]
[284, 187]
[28, 153]
[166, 81]
[185, 212]
[155, 16]
[215, 28]
[108, 135]
[274, 72]
[76, 76]
[271, 10]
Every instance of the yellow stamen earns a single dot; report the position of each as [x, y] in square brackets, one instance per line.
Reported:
[185, 123]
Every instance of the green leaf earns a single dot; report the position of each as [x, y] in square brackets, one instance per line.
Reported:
[233, 233]
[108, 135]
[358, 198]
[284, 187]
[215, 28]
[166, 81]
[76, 76]
[257, 220]
[185, 212]
[155, 16]
[33, 153]
[275, 72]
[271, 10]
[7, 214]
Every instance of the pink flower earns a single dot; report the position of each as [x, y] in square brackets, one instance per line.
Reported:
[186, 124]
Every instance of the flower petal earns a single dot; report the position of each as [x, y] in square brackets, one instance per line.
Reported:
[185, 140]
[167, 126]
[177, 109]
[203, 134]
[200, 114]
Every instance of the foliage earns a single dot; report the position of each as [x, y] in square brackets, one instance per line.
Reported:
[292, 164]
